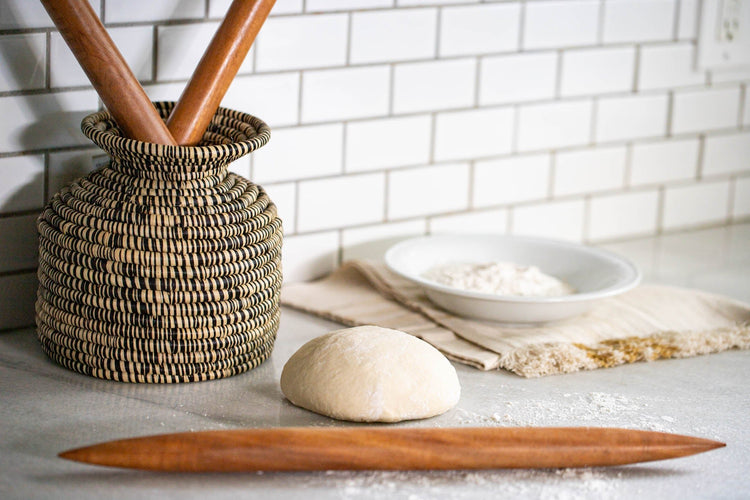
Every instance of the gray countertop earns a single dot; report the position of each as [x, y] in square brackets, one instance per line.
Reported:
[45, 409]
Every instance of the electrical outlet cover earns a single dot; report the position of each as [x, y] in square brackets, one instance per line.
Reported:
[724, 39]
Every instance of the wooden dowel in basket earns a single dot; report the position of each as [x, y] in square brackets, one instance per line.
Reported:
[107, 70]
[216, 70]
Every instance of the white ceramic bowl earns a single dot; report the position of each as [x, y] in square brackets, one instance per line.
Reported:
[594, 273]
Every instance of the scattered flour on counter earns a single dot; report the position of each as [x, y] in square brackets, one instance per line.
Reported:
[572, 409]
[499, 278]
[545, 484]
[594, 408]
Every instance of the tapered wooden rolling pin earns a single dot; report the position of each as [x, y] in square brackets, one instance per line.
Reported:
[308, 449]
[107, 70]
[216, 70]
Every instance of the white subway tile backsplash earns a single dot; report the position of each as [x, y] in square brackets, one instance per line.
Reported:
[434, 85]
[286, 6]
[485, 222]
[22, 186]
[411, 110]
[180, 47]
[589, 170]
[510, 180]
[64, 69]
[272, 98]
[428, 190]
[165, 91]
[218, 8]
[139, 11]
[687, 22]
[371, 242]
[401, 3]
[554, 125]
[734, 75]
[638, 20]
[695, 204]
[631, 117]
[345, 93]
[625, 214]
[23, 61]
[309, 256]
[133, 42]
[21, 251]
[299, 42]
[741, 203]
[300, 152]
[701, 110]
[341, 201]
[44, 120]
[560, 23]
[17, 298]
[724, 154]
[66, 166]
[558, 219]
[328, 5]
[473, 134]
[393, 35]
[664, 161]
[664, 66]
[597, 71]
[241, 166]
[23, 14]
[390, 142]
[518, 77]
[479, 29]
[284, 196]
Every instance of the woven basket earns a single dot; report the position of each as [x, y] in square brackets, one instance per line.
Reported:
[161, 266]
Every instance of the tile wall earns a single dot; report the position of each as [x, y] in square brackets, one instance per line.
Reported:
[576, 119]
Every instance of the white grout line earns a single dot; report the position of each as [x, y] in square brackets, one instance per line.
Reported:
[349, 27]
[628, 171]
[636, 67]
[741, 106]
[676, 20]
[730, 199]
[521, 25]
[701, 154]
[551, 180]
[670, 112]
[600, 23]
[660, 210]
[558, 75]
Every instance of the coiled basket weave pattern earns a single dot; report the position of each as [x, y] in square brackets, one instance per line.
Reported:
[161, 266]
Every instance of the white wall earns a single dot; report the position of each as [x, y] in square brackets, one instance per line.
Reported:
[575, 119]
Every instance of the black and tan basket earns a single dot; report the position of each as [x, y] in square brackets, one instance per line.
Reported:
[161, 266]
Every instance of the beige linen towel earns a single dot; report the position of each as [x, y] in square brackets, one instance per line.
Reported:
[645, 324]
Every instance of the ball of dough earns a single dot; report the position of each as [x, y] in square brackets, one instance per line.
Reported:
[370, 374]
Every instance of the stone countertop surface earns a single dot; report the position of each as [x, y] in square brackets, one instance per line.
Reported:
[45, 409]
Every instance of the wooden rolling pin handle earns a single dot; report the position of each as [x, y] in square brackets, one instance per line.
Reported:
[216, 70]
[107, 70]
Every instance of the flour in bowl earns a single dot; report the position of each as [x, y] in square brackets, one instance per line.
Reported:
[499, 278]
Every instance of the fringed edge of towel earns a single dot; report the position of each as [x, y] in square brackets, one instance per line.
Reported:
[556, 358]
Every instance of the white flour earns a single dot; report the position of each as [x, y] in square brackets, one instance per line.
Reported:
[499, 278]
[575, 409]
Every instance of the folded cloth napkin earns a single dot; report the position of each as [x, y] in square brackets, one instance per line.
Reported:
[647, 323]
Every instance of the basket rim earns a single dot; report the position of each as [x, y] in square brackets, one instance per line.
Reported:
[110, 142]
